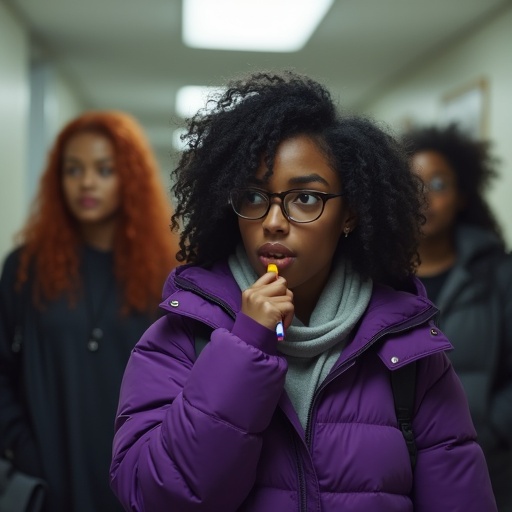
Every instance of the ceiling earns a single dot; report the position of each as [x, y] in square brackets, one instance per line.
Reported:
[128, 54]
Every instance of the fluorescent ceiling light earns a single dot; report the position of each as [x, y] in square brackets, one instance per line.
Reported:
[191, 98]
[253, 25]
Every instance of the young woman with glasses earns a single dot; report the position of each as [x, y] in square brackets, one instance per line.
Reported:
[293, 214]
[468, 275]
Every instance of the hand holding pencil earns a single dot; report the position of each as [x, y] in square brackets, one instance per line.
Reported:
[269, 302]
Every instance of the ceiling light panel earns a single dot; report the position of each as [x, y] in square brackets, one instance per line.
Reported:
[191, 98]
[251, 25]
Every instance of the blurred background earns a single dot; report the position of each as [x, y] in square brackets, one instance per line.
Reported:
[403, 62]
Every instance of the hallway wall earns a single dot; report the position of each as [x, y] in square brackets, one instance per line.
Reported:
[483, 54]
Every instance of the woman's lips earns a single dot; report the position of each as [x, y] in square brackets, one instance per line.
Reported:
[88, 202]
[280, 263]
[277, 254]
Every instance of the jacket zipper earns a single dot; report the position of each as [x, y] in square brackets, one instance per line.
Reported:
[422, 318]
[186, 285]
[300, 475]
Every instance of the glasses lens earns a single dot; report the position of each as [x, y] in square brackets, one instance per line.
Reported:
[249, 203]
[303, 206]
[437, 184]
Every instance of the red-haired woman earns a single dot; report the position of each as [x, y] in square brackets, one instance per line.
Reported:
[76, 295]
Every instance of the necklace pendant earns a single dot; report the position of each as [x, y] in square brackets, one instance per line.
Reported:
[93, 343]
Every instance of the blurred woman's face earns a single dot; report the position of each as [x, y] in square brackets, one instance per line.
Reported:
[444, 200]
[89, 179]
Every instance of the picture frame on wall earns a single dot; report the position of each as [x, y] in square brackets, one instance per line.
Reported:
[468, 106]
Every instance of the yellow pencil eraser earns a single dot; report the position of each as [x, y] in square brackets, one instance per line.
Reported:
[272, 268]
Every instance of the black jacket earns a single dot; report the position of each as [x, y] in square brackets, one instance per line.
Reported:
[476, 315]
[57, 397]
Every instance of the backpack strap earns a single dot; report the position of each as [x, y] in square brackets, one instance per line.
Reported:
[403, 383]
[202, 334]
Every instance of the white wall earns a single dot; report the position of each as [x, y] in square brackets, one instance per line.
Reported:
[69, 101]
[486, 53]
[52, 104]
[14, 105]
[25, 135]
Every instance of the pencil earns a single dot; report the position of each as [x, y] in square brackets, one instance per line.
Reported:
[279, 327]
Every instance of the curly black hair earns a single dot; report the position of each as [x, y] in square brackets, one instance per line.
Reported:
[472, 162]
[227, 140]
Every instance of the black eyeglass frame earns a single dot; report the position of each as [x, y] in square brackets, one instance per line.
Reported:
[324, 196]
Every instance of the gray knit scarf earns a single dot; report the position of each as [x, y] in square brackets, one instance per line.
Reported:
[312, 350]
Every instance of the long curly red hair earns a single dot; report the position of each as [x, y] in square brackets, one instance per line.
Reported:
[144, 246]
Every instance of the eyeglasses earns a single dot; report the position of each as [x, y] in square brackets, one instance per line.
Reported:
[297, 205]
[438, 185]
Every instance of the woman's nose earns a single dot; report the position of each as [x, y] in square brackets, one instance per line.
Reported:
[88, 177]
[275, 220]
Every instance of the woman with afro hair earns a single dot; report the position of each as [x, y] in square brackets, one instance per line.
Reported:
[468, 275]
[75, 296]
[293, 218]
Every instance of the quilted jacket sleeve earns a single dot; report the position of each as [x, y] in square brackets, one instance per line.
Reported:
[451, 472]
[188, 436]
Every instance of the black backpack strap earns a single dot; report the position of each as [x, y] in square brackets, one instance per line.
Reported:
[202, 334]
[403, 382]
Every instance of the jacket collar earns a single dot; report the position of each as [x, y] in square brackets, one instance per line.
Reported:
[473, 242]
[410, 317]
[212, 296]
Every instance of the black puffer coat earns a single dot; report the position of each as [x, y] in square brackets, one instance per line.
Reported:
[476, 315]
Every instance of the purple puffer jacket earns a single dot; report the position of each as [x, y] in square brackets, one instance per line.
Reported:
[219, 433]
